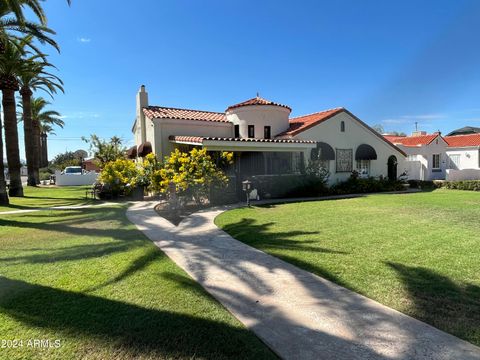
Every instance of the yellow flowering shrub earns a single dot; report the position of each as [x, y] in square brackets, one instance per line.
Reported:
[120, 175]
[192, 173]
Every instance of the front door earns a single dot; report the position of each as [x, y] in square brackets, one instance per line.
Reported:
[392, 168]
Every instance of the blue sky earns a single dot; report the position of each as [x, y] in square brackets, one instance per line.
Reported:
[393, 63]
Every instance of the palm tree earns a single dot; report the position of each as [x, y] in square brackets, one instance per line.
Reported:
[44, 120]
[10, 64]
[13, 22]
[34, 77]
[3, 184]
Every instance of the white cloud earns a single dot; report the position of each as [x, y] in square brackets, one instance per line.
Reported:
[84, 40]
[408, 119]
[80, 115]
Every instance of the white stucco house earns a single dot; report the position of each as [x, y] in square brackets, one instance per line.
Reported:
[463, 152]
[266, 141]
[426, 154]
[433, 157]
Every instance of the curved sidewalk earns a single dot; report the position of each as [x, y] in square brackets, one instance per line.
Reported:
[297, 314]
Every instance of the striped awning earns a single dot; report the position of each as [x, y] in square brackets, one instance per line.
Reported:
[144, 149]
[132, 152]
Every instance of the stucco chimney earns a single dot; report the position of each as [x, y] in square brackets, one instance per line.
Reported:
[142, 101]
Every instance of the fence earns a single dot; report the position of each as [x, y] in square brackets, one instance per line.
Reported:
[465, 174]
[75, 179]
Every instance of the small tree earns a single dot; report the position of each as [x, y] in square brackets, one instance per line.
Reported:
[193, 174]
[67, 158]
[379, 128]
[105, 151]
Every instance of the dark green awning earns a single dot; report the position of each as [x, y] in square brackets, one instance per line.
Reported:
[323, 151]
[365, 152]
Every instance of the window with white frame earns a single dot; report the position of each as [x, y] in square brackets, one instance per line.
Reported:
[436, 161]
[454, 161]
[363, 167]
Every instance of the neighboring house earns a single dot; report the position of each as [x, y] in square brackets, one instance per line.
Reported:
[426, 154]
[464, 157]
[467, 130]
[90, 165]
[266, 141]
[433, 157]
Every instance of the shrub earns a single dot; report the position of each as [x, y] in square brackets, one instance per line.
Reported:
[149, 166]
[45, 173]
[119, 176]
[471, 185]
[192, 174]
[422, 184]
[278, 186]
[355, 185]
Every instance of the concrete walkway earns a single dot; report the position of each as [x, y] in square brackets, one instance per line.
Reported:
[297, 314]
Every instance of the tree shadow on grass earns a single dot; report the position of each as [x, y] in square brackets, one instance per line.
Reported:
[72, 221]
[441, 302]
[132, 330]
[71, 254]
[78, 223]
[259, 235]
[136, 265]
[270, 319]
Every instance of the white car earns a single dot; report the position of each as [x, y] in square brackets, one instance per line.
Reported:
[73, 170]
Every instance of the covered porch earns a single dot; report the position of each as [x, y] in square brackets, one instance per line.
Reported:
[254, 156]
[264, 161]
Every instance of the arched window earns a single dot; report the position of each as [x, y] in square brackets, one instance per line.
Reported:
[342, 126]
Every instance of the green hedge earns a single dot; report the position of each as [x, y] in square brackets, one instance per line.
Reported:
[359, 186]
[471, 185]
[284, 186]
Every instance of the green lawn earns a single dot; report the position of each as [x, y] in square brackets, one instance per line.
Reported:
[36, 197]
[418, 253]
[88, 278]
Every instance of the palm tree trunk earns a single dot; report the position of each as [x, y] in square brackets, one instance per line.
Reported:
[28, 134]
[11, 141]
[36, 150]
[44, 158]
[3, 184]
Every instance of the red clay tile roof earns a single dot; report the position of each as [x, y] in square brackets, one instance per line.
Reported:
[394, 139]
[201, 139]
[257, 101]
[302, 123]
[463, 140]
[411, 140]
[185, 114]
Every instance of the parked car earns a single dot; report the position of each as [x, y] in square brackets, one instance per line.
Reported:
[73, 170]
